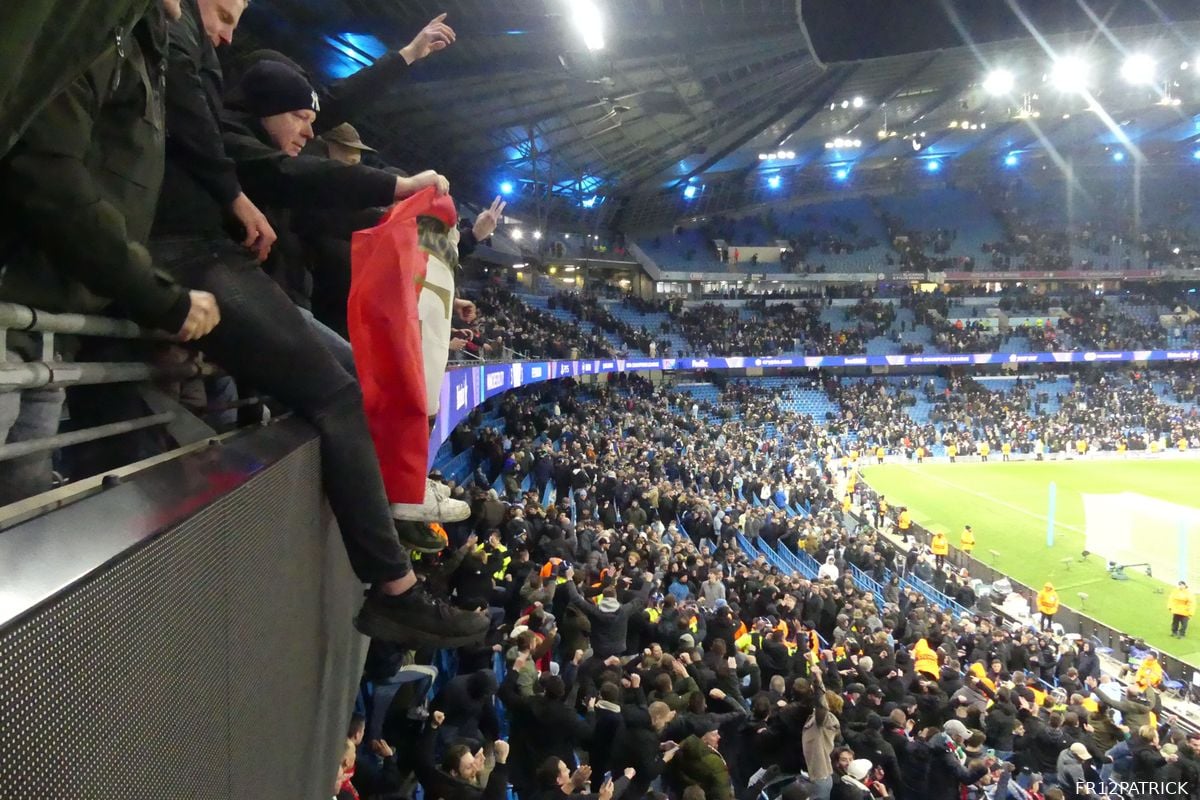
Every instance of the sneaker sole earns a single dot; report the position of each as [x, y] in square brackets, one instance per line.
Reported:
[389, 630]
[427, 549]
[418, 516]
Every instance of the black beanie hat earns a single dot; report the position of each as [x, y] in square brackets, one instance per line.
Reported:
[270, 87]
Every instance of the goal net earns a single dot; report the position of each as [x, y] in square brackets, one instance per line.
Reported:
[1131, 528]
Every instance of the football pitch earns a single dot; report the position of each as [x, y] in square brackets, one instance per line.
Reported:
[1007, 507]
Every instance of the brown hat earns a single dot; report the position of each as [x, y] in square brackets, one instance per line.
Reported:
[346, 136]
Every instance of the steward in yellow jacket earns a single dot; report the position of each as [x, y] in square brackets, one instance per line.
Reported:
[1047, 604]
[966, 542]
[1181, 604]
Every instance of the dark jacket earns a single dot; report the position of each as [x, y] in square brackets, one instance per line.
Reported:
[609, 628]
[914, 767]
[609, 724]
[271, 178]
[540, 728]
[637, 746]
[697, 764]
[445, 786]
[79, 189]
[842, 790]
[194, 108]
[467, 702]
[946, 775]
[46, 46]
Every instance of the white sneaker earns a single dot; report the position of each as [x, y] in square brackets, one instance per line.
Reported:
[438, 489]
[433, 509]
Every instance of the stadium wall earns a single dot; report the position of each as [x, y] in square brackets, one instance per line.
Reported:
[185, 633]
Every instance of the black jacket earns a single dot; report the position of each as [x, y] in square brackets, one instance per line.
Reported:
[609, 725]
[194, 108]
[609, 629]
[272, 179]
[45, 46]
[946, 774]
[442, 785]
[540, 728]
[78, 190]
[636, 746]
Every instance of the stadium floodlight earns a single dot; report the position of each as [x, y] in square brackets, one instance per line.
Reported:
[1196, 155]
[1070, 74]
[845, 104]
[585, 16]
[999, 81]
[1119, 156]
[1138, 70]
[506, 187]
[774, 181]
[537, 234]
[1011, 160]
[933, 165]
[689, 192]
[857, 102]
[517, 235]
[842, 174]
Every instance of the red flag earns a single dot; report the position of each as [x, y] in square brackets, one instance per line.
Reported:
[385, 330]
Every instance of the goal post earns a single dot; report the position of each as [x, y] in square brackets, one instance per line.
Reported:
[1131, 528]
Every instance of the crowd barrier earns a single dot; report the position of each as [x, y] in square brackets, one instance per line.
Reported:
[52, 371]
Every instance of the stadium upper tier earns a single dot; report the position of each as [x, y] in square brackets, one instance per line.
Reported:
[908, 323]
[1099, 222]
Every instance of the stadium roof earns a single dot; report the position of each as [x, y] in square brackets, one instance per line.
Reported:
[689, 89]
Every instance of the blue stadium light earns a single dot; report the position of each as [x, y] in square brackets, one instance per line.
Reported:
[689, 192]
[842, 174]
[774, 181]
[506, 187]
[1011, 160]
[1196, 154]
[1119, 156]
[933, 166]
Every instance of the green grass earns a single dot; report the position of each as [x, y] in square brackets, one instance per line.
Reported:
[1006, 505]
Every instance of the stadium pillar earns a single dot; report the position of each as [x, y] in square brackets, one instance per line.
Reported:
[1050, 516]
[1183, 550]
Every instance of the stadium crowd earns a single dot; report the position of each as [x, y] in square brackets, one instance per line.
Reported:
[637, 647]
[630, 625]
[783, 323]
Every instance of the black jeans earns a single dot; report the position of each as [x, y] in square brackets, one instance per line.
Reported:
[262, 339]
[1179, 624]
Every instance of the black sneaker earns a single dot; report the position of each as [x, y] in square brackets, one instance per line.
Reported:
[416, 619]
[420, 537]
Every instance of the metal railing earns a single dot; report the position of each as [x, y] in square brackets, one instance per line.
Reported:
[50, 371]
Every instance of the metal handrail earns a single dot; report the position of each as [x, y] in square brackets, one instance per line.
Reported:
[38, 374]
[17, 317]
[18, 449]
